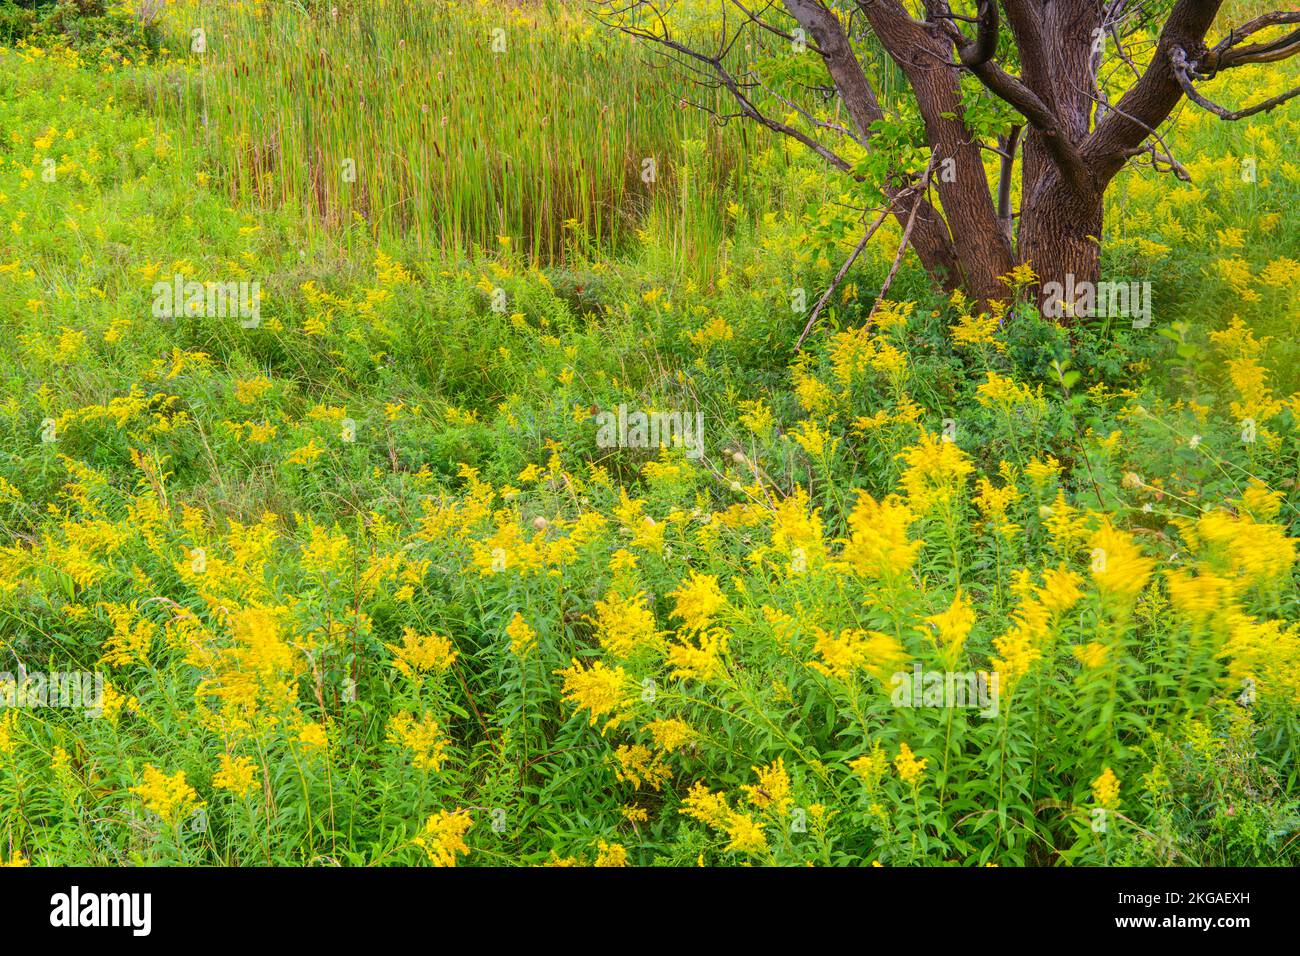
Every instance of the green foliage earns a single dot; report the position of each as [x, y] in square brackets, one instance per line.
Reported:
[365, 582]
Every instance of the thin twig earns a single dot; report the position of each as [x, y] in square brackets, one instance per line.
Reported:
[916, 187]
[902, 245]
[839, 276]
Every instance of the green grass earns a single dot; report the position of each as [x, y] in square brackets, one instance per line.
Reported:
[323, 542]
[455, 126]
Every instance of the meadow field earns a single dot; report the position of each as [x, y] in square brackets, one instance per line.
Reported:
[331, 532]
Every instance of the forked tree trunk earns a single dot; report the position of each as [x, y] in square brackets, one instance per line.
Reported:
[1074, 144]
[1060, 228]
[1067, 160]
[1060, 219]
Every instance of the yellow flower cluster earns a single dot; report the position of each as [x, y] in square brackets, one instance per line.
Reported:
[170, 797]
[443, 836]
[424, 738]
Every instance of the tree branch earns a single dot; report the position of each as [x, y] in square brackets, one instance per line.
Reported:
[977, 57]
[1226, 53]
[1149, 101]
[1006, 169]
[1183, 70]
[986, 36]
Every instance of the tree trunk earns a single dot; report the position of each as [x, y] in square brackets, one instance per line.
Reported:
[930, 236]
[922, 52]
[1060, 236]
[1075, 140]
[931, 242]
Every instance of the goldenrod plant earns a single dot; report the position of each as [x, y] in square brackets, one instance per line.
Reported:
[303, 478]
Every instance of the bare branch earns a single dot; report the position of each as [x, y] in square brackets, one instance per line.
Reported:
[902, 246]
[1150, 100]
[1183, 71]
[808, 117]
[907, 193]
[771, 29]
[839, 276]
[1227, 54]
[740, 89]
[1008, 145]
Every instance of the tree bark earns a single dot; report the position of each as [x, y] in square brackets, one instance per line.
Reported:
[924, 54]
[1060, 233]
[1073, 142]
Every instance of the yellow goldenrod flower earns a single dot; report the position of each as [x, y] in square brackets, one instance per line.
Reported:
[699, 656]
[878, 546]
[698, 600]
[599, 690]
[1092, 654]
[610, 854]
[420, 654]
[880, 654]
[170, 797]
[1105, 789]
[670, 734]
[954, 625]
[522, 637]
[1118, 566]
[936, 472]
[624, 625]
[909, 768]
[313, 737]
[423, 737]
[772, 792]
[443, 836]
[638, 764]
[237, 774]
[872, 767]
